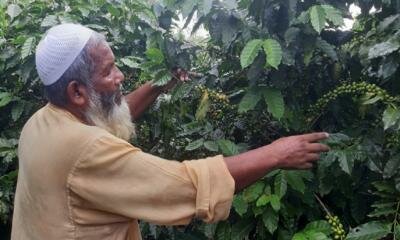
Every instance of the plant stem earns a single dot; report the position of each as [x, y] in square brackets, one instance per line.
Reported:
[323, 205]
[395, 222]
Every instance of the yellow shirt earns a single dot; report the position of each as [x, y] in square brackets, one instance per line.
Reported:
[80, 182]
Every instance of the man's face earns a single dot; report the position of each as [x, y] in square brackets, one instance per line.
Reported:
[107, 78]
[107, 107]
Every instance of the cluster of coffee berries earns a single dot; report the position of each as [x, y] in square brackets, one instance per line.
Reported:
[336, 226]
[354, 88]
[219, 101]
[213, 95]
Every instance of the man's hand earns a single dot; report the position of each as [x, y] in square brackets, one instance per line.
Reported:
[298, 152]
[178, 75]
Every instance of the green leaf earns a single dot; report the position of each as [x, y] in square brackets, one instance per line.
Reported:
[317, 17]
[382, 210]
[336, 139]
[240, 205]
[129, 62]
[253, 192]
[366, 100]
[397, 230]
[250, 52]
[327, 48]
[300, 236]
[227, 147]
[249, 100]
[203, 107]
[263, 200]
[17, 111]
[346, 161]
[275, 202]
[114, 11]
[319, 226]
[295, 180]
[311, 234]
[223, 231]
[13, 10]
[5, 98]
[304, 17]
[382, 49]
[188, 8]
[368, 231]
[230, 4]
[155, 55]
[280, 185]
[211, 146]
[273, 50]
[195, 144]
[270, 219]
[49, 21]
[28, 47]
[390, 117]
[182, 90]
[392, 166]
[162, 77]
[291, 35]
[241, 229]
[384, 186]
[387, 22]
[275, 102]
[206, 6]
[332, 14]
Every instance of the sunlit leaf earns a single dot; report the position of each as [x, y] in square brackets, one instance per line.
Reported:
[203, 107]
[391, 117]
[250, 52]
[13, 10]
[270, 219]
[333, 15]
[273, 52]
[194, 145]
[249, 100]
[275, 102]
[227, 147]
[368, 231]
[28, 47]
[317, 17]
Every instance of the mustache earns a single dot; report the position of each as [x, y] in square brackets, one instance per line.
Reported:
[109, 99]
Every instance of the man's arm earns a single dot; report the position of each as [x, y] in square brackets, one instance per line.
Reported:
[140, 99]
[295, 152]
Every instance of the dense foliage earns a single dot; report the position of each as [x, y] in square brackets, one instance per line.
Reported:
[269, 69]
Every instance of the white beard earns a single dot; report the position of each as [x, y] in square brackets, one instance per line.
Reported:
[117, 121]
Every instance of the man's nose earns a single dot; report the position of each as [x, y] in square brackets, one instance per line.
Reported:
[120, 76]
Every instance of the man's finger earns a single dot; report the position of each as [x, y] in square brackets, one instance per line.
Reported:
[313, 137]
[306, 166]
[318, 147]
[313, 156]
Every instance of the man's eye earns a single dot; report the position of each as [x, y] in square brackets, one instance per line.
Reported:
[107, 72]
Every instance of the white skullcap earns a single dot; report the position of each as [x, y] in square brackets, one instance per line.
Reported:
[58, 50]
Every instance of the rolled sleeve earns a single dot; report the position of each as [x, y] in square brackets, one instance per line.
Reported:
[115, 177]
[215, 187]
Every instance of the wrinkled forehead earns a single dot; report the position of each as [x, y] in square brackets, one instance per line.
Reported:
[101, 51]
[102, 55]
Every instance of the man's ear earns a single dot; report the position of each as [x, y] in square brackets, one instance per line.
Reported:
[77, 94]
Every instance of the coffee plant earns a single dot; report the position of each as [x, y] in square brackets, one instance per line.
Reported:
[268, 69]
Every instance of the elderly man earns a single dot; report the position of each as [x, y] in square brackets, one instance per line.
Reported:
[79, 178]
